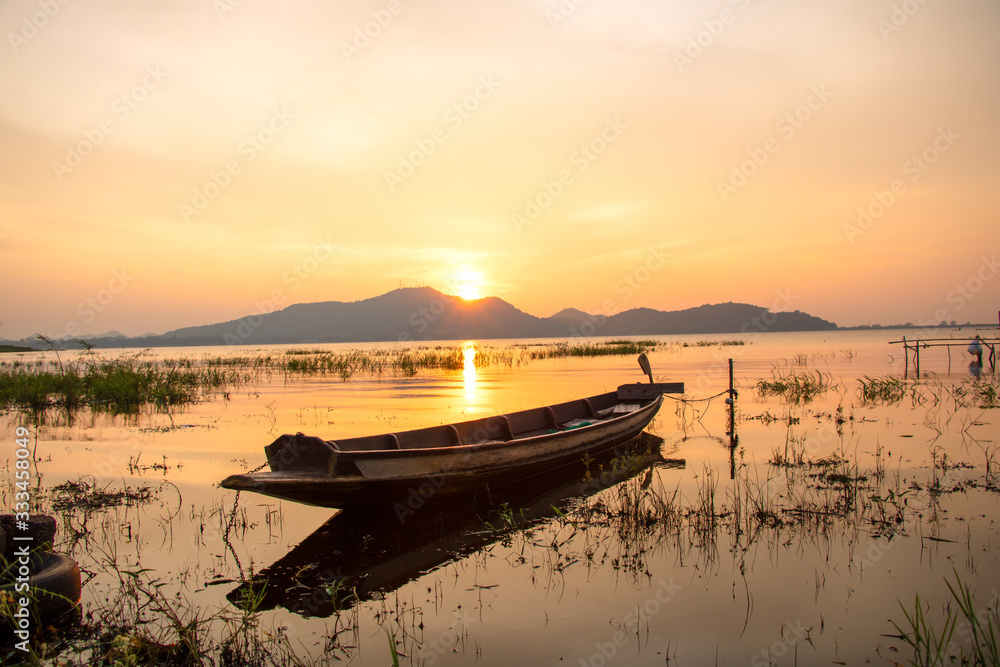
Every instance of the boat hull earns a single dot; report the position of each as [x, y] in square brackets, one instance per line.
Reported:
[406, 479]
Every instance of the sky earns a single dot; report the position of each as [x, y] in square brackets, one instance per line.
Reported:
[168, 164]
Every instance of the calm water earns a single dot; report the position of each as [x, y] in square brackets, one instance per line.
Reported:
[809, 589]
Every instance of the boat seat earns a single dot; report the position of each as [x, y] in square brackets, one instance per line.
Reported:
[540, 420]
[491, 429]
[437, 436]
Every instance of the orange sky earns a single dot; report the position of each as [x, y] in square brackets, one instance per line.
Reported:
[178, 163]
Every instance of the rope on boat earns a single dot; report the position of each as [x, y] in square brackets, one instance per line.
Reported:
[232, 521]
[683, 399]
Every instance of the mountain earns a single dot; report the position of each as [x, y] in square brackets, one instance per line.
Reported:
[423, 313]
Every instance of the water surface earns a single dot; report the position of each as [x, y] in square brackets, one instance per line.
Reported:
[805, 586]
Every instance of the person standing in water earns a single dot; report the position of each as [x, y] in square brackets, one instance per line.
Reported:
[976, 348]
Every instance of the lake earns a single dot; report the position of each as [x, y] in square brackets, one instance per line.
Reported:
[797, 546]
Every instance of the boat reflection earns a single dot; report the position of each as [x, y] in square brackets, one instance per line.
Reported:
[356, 553]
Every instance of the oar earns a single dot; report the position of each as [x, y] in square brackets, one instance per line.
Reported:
[644, 365]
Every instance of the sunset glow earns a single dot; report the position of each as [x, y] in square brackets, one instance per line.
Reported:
[467, 284]
[227, 156]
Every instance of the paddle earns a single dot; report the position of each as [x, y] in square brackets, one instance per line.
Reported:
[644, 365]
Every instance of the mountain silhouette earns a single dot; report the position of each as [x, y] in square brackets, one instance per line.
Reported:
[423, 313]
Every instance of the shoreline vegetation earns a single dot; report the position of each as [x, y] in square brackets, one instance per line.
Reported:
[132, 381]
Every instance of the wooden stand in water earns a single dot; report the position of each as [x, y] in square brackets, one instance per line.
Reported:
[916, 345]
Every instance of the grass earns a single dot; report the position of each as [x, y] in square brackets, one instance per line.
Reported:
[612, 347]
[983, 392]
[84, 494]
[969, 635]
[127, 384]
[123, 385]
[882, 390]
[796, 387]
[714, 343]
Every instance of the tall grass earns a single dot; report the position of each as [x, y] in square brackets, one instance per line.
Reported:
[120, 386]
[882, 390]
[796, 387]
[969, 636]
[126, 384]
[612, 347]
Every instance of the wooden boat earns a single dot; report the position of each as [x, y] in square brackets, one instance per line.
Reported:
[408, 469]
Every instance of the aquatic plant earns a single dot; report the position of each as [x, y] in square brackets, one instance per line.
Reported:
[122, 385]
[796, 387]
[604, 348]
[978, 630]
[978, 392]
[885, 389]
[714, 343]
[84, 494]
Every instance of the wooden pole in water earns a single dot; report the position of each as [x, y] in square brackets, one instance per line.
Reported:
[906, 353]
[733, 439]
[732, 403]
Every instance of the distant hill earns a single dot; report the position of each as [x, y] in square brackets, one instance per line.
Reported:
[15, 348]
[423, 313]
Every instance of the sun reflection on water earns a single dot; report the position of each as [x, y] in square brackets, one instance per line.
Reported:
[469, 370]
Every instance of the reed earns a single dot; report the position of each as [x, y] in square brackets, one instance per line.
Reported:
[796, 387]
[127, 384]
[715, 343]
[605, 348]
[969, 635]
[978, 392]
[123, 385]
[882, 390]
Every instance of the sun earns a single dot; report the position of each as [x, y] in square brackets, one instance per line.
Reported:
[468, 292]
[468, 283]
